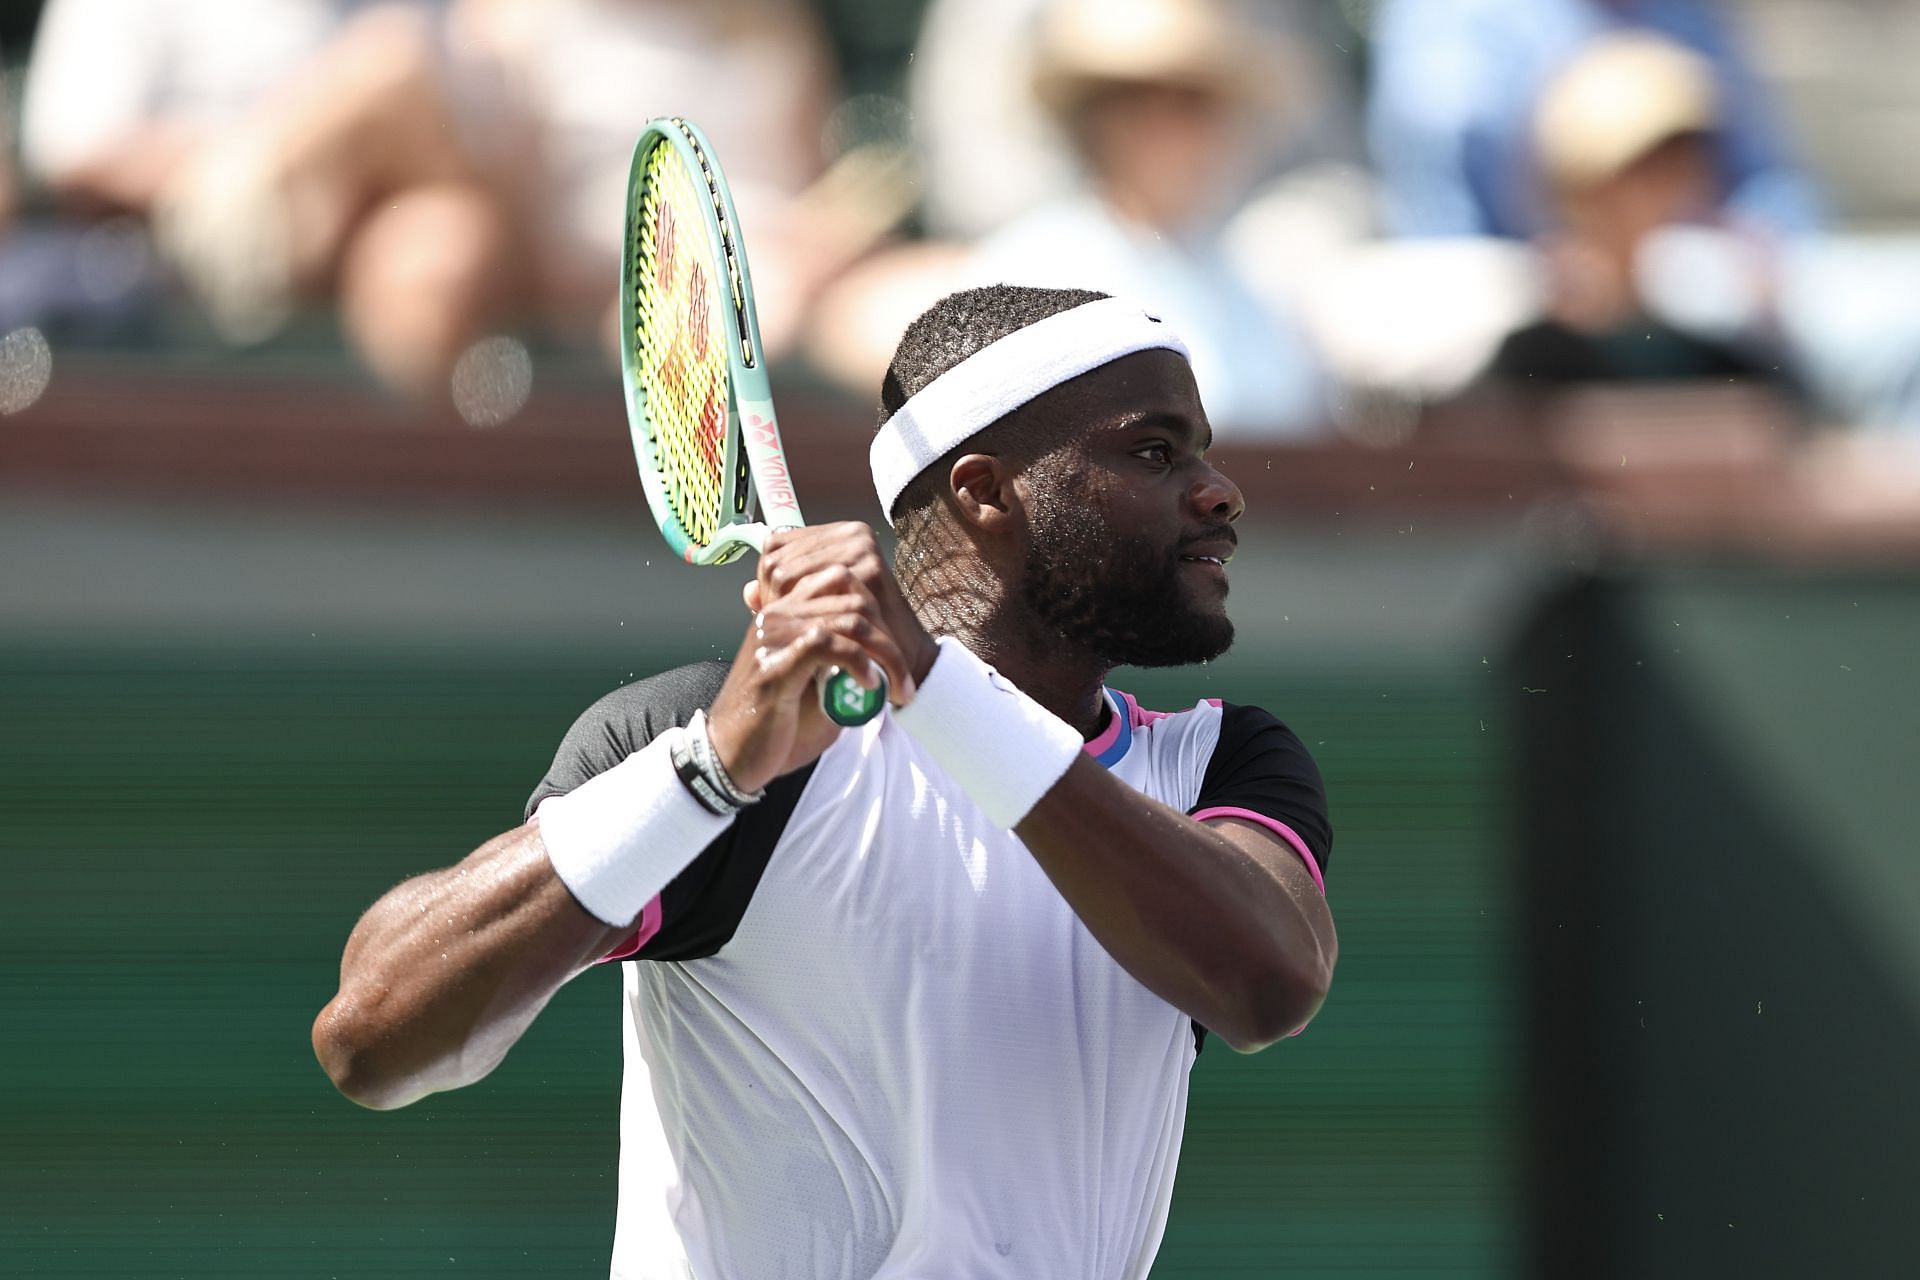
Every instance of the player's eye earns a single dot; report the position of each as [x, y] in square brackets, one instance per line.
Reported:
[1159, 453]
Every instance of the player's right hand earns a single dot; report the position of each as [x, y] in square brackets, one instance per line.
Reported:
[767, 720]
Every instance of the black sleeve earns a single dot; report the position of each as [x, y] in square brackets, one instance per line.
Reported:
[1262, 766]
[700, 907]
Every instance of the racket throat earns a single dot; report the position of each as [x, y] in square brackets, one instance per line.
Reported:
[767, 461]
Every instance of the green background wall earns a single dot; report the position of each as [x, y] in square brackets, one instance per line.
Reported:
[1722, 958]
[191, 829]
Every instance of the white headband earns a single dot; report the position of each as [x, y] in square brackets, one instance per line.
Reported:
[1002, 376]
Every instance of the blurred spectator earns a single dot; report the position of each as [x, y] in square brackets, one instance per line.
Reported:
[756, 75]
[56, 278]
[991, 151]
[1639, 287]
[9, 187]
[439, 170]
[1453, 89]
[282, 150]
[1162, 103]
[119, 95]
[1848, 306]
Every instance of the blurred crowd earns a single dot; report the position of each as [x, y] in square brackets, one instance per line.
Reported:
[1340, 202]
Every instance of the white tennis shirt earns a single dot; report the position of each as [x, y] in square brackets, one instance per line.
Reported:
[867, 1039]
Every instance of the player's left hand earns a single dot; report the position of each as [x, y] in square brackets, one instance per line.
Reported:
[794, 556]
[824, 599]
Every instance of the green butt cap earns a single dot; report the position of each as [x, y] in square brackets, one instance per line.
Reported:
[846, 703]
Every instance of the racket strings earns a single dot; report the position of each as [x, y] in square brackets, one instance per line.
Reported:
[680, 344]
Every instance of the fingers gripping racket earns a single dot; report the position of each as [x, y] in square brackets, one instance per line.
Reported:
[698, 402]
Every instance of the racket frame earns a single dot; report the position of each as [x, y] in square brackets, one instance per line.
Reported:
[754, 469]
[754, 472]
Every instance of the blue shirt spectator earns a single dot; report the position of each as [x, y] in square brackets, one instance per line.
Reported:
[1454, 85]
[1256, 372]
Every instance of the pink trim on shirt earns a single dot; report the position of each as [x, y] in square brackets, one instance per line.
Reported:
[1107, 735]
[1274, 825]
[1139, 715]
[649, 925]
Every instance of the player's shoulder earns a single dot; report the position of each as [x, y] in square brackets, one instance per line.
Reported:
[1259, 765]
[1237, 722]
[1246, 729]
[636, 713]
[1246, 720]
[1227, 738]
[625, 720]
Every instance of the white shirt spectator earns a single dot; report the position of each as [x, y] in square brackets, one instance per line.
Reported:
[103, 68]
[990, 152]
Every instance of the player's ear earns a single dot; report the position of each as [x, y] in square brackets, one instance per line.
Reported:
[983, 491]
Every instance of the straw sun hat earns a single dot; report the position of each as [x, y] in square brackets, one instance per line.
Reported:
[1617, 99]
[1086, 45]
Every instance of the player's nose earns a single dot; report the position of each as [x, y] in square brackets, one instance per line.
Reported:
[1217, 498]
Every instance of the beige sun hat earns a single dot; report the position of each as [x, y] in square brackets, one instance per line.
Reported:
[1083, 45]
[1617, 99]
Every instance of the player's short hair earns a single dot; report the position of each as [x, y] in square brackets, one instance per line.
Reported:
[956, 327]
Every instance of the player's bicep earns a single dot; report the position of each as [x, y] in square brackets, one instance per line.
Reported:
[1288, 864]
[1263, 792]
[525, 846]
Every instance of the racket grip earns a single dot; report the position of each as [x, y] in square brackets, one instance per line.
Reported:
[847, 703]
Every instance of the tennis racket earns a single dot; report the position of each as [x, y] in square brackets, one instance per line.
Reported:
[699, 406]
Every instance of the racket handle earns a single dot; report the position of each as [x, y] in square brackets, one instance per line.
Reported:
[846, 703]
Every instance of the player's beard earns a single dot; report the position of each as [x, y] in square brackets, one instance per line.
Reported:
[1119, 597]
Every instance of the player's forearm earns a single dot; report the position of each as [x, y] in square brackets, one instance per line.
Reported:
[446, 971]
[1214, 923]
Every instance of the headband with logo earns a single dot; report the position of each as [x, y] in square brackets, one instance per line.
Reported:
[1002, 376]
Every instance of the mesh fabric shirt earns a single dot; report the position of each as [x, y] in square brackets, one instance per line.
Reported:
[867, 1039]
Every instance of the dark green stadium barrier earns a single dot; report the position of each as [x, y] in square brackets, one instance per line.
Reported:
[1718, 782]
[189, 834]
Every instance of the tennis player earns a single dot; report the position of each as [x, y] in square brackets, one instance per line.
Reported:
[917, 999]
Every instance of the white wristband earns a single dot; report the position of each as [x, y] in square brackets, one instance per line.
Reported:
[619, 837]
[1003, 748]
